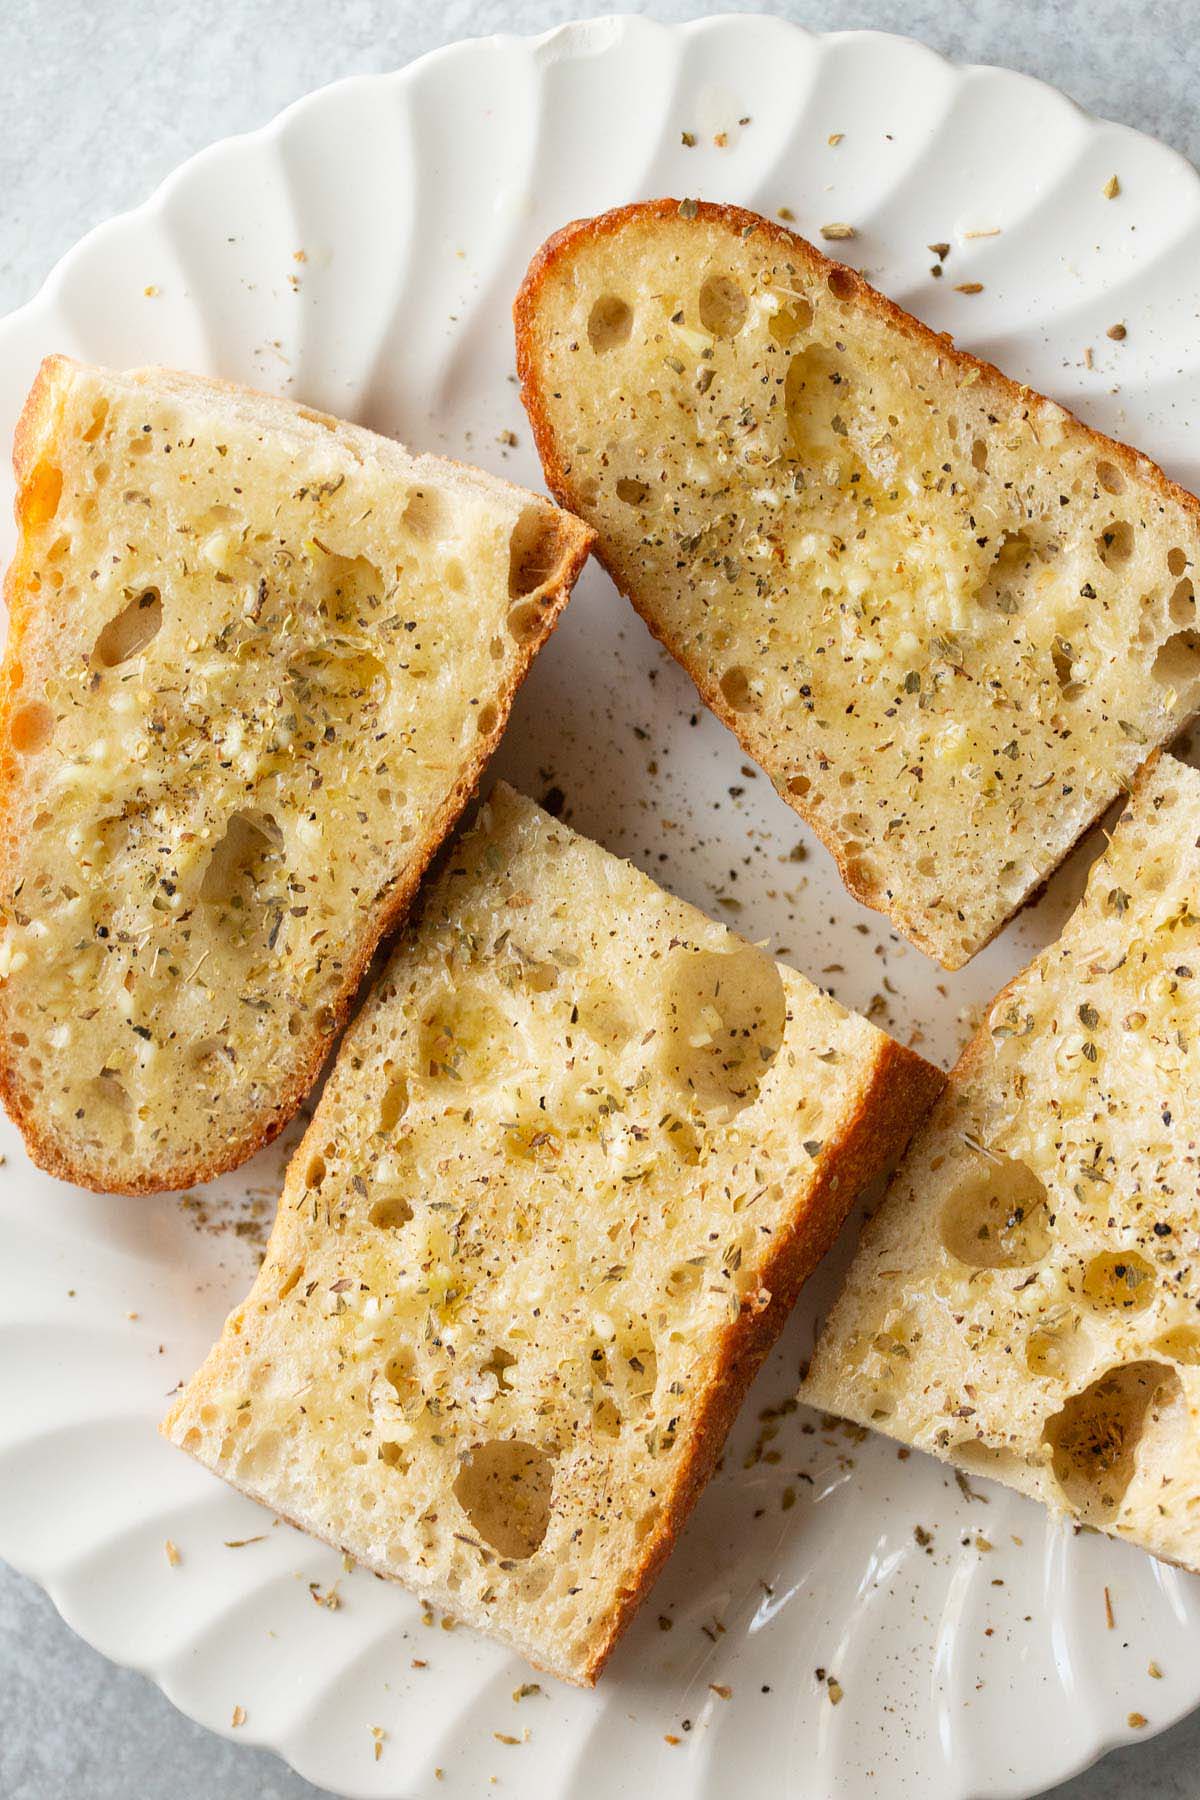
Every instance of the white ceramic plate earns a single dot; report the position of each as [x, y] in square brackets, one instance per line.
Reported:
[361, 253]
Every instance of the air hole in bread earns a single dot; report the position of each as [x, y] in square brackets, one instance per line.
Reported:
[98, 420]
[986, 1459]
[1182, 605]
[496, 649]
[1062, 657]
[1115, 544]
[487, 718]
[738, 691]
[463, 1039]
[391, 1212]
[632, 491]
[726, 1015]
[31, 727]
[131, 631]
[109, 1107]
[790, 321]
[498, 1364]
[392, 1456]
[394, 1103]
[535, 552]
[41, 495]
[524, 621]
[609, 323]
[1094, 1438]
[604, 1016]
[292, 1280]
[1177, 562]
[996, 1217]
[1178, 661]
[400, 1372]
[685, 1279]
[454, 574]
[841, 283]
[605, 1417]
[427, 516]
[505, 1487]
[1059, 1349]
[348, 589]
[243, 866]
[1110, 478]
[817, 398]
[683, 1139]
[1119, 1281]
[1181, 1344]
[722, 306]
[1015, 575]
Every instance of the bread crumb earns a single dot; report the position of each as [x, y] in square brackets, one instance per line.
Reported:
[173, 1556]
[721, 1691]
[1118, 332]
[1153, 1671]
[969, 287]
[1136, 1720]
[688, 139]
[1109, 1616]
[151, 291]
[834, 139]
[836, 231]
[1112, 188]
[786, 214]
[238, 1717]
[380, 1736]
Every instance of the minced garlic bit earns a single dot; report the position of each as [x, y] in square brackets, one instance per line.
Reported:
[1112, 188]
[380, 1736]
[1153, 1671]
[986, 232]
[835, 138]
[173, 1556]
[238, 1717]
[968, 287]
[151, 291]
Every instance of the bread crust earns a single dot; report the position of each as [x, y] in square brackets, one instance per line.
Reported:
[34, 431]
[548, 263]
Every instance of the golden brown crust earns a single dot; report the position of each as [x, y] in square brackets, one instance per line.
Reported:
[36, 427]
[548, 263]
[900, 1089]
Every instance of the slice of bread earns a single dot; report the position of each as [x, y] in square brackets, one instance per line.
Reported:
[576, 1156]
[1025, 1302]
[946, 618]
[256, 661]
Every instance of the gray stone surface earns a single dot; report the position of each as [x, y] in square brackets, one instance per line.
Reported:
[98, 102]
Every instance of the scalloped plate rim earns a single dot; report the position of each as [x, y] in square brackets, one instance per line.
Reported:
[616, 25]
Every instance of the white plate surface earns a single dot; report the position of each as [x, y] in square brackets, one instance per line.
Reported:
[361, 254]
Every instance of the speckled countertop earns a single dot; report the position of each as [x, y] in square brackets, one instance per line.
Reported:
[98, 103]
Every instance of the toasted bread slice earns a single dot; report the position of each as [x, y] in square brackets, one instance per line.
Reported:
[946, 618]
[1025, 1302]
[256, 661]
[576, 1156]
